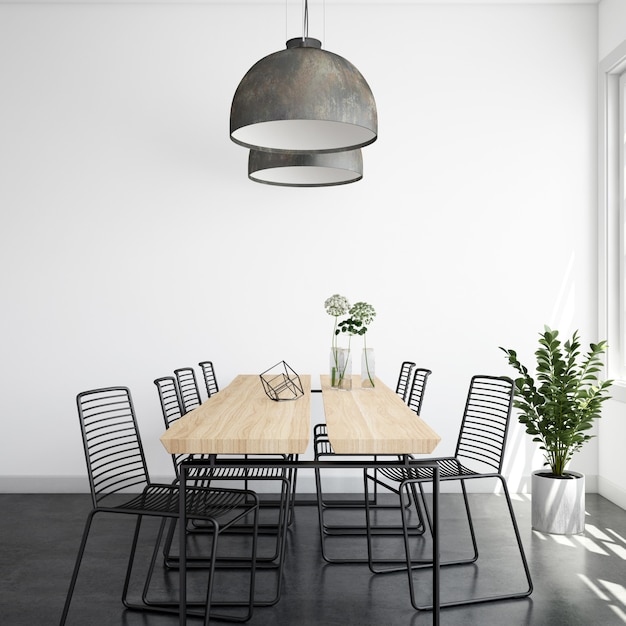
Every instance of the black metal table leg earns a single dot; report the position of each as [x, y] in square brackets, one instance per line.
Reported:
[182, 570]
[436, 555]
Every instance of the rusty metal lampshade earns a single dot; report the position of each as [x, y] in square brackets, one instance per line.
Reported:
[289, 169]
[303, 99]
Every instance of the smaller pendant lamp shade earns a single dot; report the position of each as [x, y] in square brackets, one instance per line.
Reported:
[303, 99]
[305, 169]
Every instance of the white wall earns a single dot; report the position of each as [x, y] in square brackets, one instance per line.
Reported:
[132, 242]
[611, 25]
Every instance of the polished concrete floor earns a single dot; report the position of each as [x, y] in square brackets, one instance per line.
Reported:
[577, 579]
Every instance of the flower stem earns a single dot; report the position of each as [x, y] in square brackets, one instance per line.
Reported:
[367, 365]
[334, 370]
[342, 373]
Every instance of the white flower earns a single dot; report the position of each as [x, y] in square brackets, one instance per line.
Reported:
[337, 305]
[363, 312]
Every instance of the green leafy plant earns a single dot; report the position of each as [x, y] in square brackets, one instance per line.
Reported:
[559, 409]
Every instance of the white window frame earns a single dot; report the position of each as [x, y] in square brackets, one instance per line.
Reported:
[611, 222]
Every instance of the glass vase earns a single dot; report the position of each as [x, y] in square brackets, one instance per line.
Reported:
[340, 368]
[368, 368]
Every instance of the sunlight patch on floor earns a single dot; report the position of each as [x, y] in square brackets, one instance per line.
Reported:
[596, 532]
[618, 612]
[619, 537]
[616, 590]
[618, 550]
[596, 540]
[564, 540]
[594, 587]
[520, 497]
[590, 544]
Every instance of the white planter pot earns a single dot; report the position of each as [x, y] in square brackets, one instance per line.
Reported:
[558, 504]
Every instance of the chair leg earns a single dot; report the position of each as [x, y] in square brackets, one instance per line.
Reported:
[213, 567]
[125, 601]
[153, 560]
[209, 593]
[411, 499]
[131, 558]
[251, 601]
[275, 562]
[267, 561]
[169, 538]
[406, 531]
[79, 558]
[327, 531]
[147, 605]
[429, 520]
[470, 522]
[511, 596]
[294, 479]
[417, 498]
[409, 561]
[337, 504]
[324, 534]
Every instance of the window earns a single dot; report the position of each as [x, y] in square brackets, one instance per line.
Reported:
[612, 215]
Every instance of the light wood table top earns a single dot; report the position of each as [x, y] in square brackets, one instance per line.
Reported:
[241, 419]
[374, 421]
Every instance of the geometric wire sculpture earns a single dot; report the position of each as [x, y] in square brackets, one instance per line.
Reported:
[280, 382]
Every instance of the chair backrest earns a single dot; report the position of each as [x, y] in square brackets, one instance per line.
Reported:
[404, 379]
[188, 387]
[169, 397]
[171, 406]
[113, 450]
[418, 387]
[486, 419]
[209, 377]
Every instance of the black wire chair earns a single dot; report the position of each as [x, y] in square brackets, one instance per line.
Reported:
[210, 381]
[116, 463]
[481, 445]
[188, 388]
[414, 397]
[171, 407]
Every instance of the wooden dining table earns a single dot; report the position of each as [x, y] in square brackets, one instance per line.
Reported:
[242, 420]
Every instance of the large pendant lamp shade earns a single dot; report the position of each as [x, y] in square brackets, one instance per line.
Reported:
[303, 99]
[305, 169]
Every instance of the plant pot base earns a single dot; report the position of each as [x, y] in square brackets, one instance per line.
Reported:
[558, 503]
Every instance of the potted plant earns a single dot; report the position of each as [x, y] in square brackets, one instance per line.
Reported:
[558, 411]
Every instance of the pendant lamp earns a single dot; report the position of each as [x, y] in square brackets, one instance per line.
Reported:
[305, 169]
[303, 99]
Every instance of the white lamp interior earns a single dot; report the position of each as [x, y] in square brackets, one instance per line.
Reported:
[305, 175]
[303, 136]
